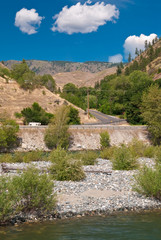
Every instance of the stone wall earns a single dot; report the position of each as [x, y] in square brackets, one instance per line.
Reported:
[83, 137]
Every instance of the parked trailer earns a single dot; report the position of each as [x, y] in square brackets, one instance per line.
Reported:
[34, 124]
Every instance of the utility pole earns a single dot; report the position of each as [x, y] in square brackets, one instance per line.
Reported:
[88, 102]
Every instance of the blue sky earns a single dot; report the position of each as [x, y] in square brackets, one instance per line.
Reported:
[83, 31]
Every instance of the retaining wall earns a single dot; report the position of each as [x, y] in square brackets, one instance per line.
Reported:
[83, 137]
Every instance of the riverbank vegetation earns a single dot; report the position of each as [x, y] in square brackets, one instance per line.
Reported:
[124, 157]
[148, 181]
[8, 133]
[25, 193]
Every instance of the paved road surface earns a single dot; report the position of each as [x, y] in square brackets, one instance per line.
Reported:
[105, 119]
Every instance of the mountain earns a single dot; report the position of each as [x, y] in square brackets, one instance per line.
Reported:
[81, 79]
[54, 67]
[80, 74]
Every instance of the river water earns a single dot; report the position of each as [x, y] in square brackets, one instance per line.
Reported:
[128, 227]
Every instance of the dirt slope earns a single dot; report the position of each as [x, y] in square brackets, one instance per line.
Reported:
[14, 99]
[80, 78]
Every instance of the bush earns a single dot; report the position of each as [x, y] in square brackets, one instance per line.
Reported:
[29, 191]
[137, 147]
[73, 116]
[64, 168]
[151, 108]
[8, 133]
[124, 159]
[148, 182]
[107, 153]
[33, 156]
[88, 157]
[57, 132]
[158, 155]
[150, 151]
[6, 158]
[36, 114]
[104, 139]
[26, 157]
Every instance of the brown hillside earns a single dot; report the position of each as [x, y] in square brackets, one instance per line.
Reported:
[80, 78]
[14, 99]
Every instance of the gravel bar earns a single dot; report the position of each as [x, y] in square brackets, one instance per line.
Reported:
[98, 193]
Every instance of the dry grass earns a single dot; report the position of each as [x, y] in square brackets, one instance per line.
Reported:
[80, 78]
[14, 99]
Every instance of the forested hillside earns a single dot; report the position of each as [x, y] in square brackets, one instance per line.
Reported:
[121, 94]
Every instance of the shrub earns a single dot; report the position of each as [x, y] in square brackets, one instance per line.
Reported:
[29, 191]
[73, 116]
[33, 156]
[124, 159]
[23, 157]
[104, 139]
[6, 158]
[88, 157]
[64, 168]
[8, 198]
[57, 132]
[150, 151]
[8, 133]
[107, 153]
[148, 182]
[36, 114]
[137, 147]
[158, 154]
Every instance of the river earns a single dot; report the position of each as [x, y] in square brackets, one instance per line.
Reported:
[122, 227]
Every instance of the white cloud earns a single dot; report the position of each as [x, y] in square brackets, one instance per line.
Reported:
[133, 42]
[84, 18]
[28, 20]
[115, 59]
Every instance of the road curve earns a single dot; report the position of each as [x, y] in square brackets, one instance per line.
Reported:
[106, 119]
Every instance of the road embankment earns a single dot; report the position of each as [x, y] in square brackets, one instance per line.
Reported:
[83, 136]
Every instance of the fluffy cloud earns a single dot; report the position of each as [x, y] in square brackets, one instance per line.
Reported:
[28, 20]
[133, 42]
[84, 18]
[115, 59]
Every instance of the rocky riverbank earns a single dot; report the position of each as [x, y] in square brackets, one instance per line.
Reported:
[102, 191]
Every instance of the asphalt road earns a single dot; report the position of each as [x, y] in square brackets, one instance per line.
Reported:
[105, 119]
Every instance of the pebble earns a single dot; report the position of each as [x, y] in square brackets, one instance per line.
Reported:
[74, 198]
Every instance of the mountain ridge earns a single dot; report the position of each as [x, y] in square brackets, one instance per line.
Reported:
[53, 67]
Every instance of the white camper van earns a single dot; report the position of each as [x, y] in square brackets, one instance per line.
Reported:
[34, 124]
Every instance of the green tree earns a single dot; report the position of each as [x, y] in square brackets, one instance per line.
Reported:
[70, 88]
[139, 81]
[73, 116]
[129, 58]
[8, 133]
[49, 82]
[36, 114]
[57, 132]
[137, 52]
[119, 71]
[151, 112]
[146, 44]
[19, 69]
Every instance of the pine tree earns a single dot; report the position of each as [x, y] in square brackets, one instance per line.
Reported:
[136, 52]
[146, 44]
[119, 71]
[129, 58]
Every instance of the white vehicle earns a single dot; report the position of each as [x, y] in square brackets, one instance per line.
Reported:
[34, 124]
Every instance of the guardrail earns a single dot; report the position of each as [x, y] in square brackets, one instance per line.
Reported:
[96, 126]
